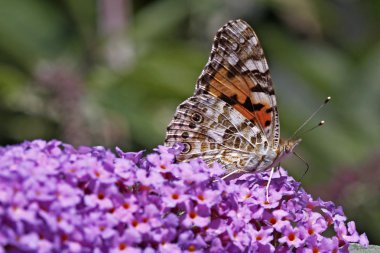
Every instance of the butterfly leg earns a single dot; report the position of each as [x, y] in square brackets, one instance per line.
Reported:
[233, 171]
[267, 187]
[229, 174]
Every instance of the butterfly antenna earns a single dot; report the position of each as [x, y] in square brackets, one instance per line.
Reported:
[321, 123]
[312, 116]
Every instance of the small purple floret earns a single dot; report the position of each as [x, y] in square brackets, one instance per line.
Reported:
[55, 198]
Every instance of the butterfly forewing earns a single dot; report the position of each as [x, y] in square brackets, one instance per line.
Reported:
[237, 72]
[232, 117]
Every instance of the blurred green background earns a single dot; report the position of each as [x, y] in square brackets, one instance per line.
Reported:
[111, 73]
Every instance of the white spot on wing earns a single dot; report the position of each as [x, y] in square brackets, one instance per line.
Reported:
[259, 65]
[218, 58]
[262, 66]
[232, 59]
[241, 27]
[253, 40]
[213, 134]
[250, 65]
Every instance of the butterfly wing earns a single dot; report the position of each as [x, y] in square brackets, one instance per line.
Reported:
[232, 117]
[212, 129]
[237, 72]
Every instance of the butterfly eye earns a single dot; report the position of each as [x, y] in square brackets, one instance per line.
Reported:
[196, 117]
[187, 148]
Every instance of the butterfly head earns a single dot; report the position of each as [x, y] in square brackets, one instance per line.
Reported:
[287, 146]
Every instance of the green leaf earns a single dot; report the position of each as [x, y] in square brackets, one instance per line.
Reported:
[356, 248]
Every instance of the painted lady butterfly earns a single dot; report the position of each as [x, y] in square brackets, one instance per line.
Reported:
[232, 117]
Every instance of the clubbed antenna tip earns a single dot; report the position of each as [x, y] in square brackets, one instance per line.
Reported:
[312, 115]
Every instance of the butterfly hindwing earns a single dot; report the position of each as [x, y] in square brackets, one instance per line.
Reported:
[237, 72]
[214, 130]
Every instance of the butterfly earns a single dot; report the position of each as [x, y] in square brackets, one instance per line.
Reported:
[232, 117]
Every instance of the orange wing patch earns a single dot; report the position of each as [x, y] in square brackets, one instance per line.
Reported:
[231, 86]
[236, 90]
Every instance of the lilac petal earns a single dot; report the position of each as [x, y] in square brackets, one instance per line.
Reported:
[363, 240]
[132, 156]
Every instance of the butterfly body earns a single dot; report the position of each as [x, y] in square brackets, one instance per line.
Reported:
[232, 117]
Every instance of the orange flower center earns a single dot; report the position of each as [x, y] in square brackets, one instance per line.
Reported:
[247, 196]
[192, 215]
[201, 197]
[291, 237]
[135, 223]
[122, 246]
[273, 220]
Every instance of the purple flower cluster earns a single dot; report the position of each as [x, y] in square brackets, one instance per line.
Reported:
[54, 198]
